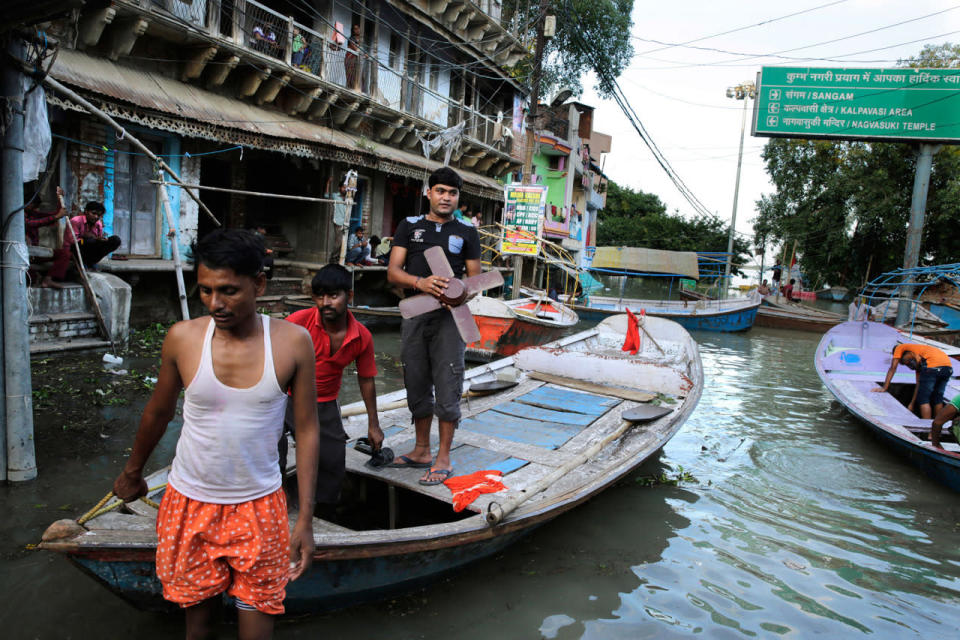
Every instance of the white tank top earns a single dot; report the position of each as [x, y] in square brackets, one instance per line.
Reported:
[227, 452]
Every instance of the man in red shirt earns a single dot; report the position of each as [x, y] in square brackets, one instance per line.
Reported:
[33, 220]
[338, 340]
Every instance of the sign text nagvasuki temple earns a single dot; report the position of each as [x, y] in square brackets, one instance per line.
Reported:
[894, 105]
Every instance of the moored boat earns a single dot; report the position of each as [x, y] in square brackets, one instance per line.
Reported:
[506, 326]
[790, 315]
[736, 313]
[852, 359]
[575, 417]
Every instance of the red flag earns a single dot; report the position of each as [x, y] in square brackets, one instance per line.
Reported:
[632, 343]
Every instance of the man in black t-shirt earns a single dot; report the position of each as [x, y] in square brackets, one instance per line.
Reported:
[432, 351]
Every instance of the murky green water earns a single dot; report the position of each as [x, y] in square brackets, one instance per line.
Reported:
[798, 524]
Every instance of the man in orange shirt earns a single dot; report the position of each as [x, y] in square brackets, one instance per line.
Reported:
[933, 372]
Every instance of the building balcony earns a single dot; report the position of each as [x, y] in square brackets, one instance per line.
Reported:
[273, 59]
[475, 24]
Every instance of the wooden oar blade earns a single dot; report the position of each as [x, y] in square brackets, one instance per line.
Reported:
[645, 413]
[418, 305]
[483, 281]
[437, 260]
[492, 386]
[466, 325]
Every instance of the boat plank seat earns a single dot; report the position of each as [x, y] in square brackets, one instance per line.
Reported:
[884, 406]
[569, 400]
[540, 414]
[547, 435]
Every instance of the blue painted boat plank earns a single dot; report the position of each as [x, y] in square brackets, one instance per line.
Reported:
[519, 430]
[467, 459]
[509, 465]
[540, 414]
[525, 424]
[567, 400]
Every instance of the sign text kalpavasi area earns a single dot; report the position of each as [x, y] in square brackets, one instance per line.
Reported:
[895, 105]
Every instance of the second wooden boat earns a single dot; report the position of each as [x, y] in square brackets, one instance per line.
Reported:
[852, 359]
[732, 314]
[510, 325]
[791, 315]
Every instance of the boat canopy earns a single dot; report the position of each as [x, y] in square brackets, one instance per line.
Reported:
[644, 261]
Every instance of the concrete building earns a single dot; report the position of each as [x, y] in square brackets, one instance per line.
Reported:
[567, 160]
[280, 96]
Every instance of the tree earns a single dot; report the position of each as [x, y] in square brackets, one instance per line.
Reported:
[591, 34]
[638, 219]
[847, 204]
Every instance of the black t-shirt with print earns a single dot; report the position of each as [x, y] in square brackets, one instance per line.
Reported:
[460, 241]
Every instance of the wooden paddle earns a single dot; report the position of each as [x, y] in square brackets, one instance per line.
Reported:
[496, 512]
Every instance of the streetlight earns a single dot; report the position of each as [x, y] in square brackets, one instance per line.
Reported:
[742, 91]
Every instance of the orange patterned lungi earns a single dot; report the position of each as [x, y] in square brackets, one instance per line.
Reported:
[205, 549]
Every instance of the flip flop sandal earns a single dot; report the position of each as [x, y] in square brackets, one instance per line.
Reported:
[404, 462]
[446, 473]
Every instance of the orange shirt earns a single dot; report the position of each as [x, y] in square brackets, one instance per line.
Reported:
[933, 356]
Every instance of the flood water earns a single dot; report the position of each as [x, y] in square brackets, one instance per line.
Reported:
[795, 523]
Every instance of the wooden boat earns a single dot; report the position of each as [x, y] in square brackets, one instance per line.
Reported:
[510, 325]
[837, 294]
[792, 315]
[565, 429]
[732, 314]
[853, 358]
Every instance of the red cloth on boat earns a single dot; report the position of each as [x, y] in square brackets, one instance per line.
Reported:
[465, 489]
[632, 343]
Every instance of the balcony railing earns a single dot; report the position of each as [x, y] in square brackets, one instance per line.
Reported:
[333, 57]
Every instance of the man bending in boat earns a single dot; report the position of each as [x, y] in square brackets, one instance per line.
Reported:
[947, 414]
[223, 524]
[338, 340]
[933, 370]
[432, 352]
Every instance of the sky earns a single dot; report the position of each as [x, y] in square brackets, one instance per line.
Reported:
[679, 92]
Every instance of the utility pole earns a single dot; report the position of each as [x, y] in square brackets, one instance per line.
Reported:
[20, 463]
[740, 92]
[918, 207]
[532, 117]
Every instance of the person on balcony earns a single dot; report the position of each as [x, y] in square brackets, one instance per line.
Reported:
[264, 39]
[299, 50]
[351, 60]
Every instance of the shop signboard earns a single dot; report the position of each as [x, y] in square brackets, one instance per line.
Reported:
[523, 219]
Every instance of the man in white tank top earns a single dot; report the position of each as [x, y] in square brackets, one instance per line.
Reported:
[223, 524]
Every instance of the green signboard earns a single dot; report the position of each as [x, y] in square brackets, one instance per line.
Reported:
[895, 105]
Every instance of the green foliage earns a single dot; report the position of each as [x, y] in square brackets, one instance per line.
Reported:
[847, 204]
[591, 34]
[637, 219]
[679, 477]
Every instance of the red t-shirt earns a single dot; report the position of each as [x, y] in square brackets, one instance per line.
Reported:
[357, 346]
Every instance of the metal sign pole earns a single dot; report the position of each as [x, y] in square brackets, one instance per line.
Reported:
[918, 207]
